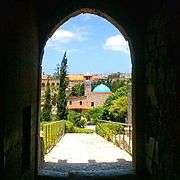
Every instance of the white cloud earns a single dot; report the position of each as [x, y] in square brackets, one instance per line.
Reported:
[66, 36]
[116, 43]
[63, 35]
[61, 40]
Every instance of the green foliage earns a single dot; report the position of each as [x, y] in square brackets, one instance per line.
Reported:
[114, 109]
[119, 83]
[77, 90]
[52, 132]
[46, 110]
[69, 128]
[77, 119]
[108, 130]
[54, 99]
[82, 123]
[63, 84]
[116, 105]
[114, 75]
[95, 114]
[56, 73]
[74, 117]
[119, 108]
[83, 130]
[122, 91]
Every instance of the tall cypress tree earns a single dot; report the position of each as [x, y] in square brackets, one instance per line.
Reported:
[46, 110]
[63, 84]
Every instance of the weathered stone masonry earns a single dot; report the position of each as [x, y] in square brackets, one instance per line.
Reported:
[152, 29]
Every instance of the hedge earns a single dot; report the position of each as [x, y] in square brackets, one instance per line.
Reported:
[51, 132]
[70, 128]
[83, 130]
[108, 130]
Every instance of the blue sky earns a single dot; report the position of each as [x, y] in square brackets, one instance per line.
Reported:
[93, 45]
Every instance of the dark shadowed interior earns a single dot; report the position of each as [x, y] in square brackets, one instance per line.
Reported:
[152, 29]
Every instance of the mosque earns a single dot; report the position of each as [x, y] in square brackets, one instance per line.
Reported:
[91, 98]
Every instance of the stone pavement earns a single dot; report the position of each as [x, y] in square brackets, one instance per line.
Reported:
[86, 153]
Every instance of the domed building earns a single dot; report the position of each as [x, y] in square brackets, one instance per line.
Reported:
[101, 89]
[91, 99]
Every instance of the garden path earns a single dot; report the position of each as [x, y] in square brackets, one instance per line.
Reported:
[88, 154]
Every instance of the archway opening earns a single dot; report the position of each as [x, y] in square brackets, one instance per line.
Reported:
[98, 89]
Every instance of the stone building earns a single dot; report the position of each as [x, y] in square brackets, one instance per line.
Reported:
[73, 80]
[91, 98]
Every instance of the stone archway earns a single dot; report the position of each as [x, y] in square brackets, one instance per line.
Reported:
[153, 29]
[134, 39]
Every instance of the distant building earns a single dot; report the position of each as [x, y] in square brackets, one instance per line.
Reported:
[91, 98]
[79, 78]
[73, 80]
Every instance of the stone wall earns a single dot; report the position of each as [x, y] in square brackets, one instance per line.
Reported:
[152, 28]
[160, 98]
[20, 88]
[98, 99]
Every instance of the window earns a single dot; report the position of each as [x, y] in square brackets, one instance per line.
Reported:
[53, 84]
[70, 102]
[43, 84]
[92, 103]
[80, 102]
[57, 84]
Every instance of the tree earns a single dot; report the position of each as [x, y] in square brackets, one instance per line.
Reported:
[122, 91]
[54, 99]
[110, 107]
[54, 91]
[95, 114]
[46, 110]
[118, 83]
[119, 108]
[56, 73]
[63, 84]
[114, 75]
[77, 90]
[77, 119]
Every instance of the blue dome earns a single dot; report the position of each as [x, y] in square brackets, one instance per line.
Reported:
[101, 88]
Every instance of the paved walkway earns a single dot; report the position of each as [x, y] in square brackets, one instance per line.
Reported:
[87, 153]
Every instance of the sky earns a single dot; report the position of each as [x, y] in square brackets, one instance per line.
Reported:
[93, 45]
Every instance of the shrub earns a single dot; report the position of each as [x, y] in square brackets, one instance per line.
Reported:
[77, 119]
[82, 122]
[108, 130]
[83, 130]
[69, 128]
[51, 133]
[95, 114]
